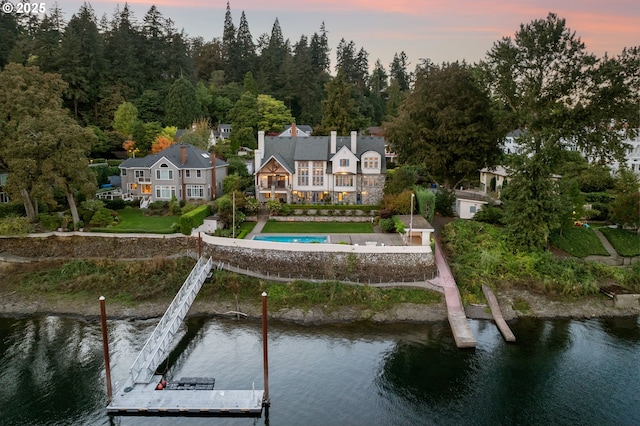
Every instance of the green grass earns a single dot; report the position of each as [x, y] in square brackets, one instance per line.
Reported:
[318, 227]
[303, 294]
[133, 220]
[625, 242]
[126, 282]
[480, 253]
[579, 242]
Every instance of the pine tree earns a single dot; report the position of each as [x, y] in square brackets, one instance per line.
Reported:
[246, 48]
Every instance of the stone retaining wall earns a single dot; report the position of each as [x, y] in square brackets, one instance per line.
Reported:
[364, 265]
[322, 218]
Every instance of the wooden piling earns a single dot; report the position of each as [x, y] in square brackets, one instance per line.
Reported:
[105, 347]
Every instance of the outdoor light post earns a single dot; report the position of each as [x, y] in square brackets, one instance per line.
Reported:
[411, 217]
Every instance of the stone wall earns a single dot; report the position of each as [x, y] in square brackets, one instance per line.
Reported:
[364, 265]
[86, 245]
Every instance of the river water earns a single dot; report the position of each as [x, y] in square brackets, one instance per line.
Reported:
[560, 372]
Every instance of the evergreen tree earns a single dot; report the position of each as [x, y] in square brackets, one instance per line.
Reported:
[46, 50]
[230, 47]
[398, 71]
[182, 107]
[246, 48]
[339, 111]
[272, 80]
[82, 63]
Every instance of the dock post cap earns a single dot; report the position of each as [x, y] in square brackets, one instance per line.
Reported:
[101, 298]
[264, 294]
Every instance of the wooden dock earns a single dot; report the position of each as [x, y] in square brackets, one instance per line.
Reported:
[497, 314]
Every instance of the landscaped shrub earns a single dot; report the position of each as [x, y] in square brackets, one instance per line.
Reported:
[15, 225]
[102, 217]
[274, 207]
[489, 214]
[118, 204]
[11, 209]
[398, 225]
[444, 202]
[387, 225]
[426, 202]
[194, 218]
[49, 222]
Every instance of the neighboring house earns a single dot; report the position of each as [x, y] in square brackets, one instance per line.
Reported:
[293, 130]
[320, 168]
[388, 153]
[224, 130]
[632, 159]
[468, 204]
[181, 170]
[4, 198]
[510, 144]
[493, 179]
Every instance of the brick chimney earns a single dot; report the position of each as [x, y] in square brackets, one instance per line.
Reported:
[183, 154]
[294, 131]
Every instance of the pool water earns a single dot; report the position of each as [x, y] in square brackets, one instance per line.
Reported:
[291, 238]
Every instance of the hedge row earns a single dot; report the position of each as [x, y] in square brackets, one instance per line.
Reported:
[194, 218]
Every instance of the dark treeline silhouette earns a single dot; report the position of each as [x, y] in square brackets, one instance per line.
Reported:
[110, 60]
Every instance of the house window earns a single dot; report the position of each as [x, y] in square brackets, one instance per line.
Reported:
[145, 188]
[472, 209]
[187, 173]
[344, 180]
[133, 186]
[370, 162]
[198, 173]
[139, 173]
[368, 181]
[124, 172]
[165, 192]
[318, 173]
[195, 191]
[344, 162]
[164, 173]
[303, 173]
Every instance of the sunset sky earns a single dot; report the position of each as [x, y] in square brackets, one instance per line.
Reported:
[440, 30]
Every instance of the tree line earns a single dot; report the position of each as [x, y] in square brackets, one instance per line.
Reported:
[140, 81]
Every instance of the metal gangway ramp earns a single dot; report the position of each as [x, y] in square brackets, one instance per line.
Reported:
[140, 395]
[158, 344]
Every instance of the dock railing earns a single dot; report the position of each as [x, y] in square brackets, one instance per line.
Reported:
[157, 345]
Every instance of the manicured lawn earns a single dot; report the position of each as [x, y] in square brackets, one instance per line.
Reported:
[132, 220]
[318, 227]
[624, 241]
[579, 242]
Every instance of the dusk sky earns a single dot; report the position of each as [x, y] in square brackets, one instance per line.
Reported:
[440, 30]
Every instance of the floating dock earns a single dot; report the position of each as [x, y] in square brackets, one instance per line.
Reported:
[145, 393]
[193, 400]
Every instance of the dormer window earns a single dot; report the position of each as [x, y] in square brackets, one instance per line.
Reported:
[344, 162]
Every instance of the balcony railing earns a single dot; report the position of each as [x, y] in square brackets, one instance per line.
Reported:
[144, 180]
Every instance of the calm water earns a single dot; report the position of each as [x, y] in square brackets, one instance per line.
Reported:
[559, 372]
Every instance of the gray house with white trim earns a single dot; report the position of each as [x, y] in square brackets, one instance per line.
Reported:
[181, 170]
[313, 169]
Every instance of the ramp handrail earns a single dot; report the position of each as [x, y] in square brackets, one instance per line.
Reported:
[155, 349]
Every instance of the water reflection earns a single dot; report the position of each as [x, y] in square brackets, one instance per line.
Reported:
[558, 372]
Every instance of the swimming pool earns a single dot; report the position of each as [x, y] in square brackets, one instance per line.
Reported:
[291, 238]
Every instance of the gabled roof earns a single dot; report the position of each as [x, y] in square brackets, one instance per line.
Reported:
[317, 148]
[196, 158]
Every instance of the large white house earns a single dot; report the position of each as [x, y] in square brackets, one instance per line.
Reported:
[313, 169]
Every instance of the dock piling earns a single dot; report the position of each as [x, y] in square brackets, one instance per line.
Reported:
[105, 347]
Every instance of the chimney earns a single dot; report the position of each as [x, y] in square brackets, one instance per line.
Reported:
[334, 137]
[183, 154]
[258, 153]
[214, 186]
[354, 141]
[294, 131]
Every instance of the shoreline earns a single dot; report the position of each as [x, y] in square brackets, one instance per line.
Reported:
[597, 306]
